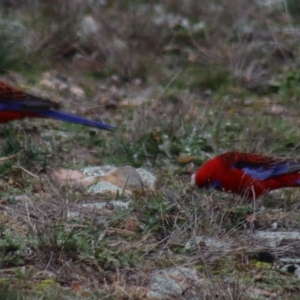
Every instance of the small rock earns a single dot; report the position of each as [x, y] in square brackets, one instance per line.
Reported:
[207, 242]
[77, 92]
[274, 239]
[62, 86]
[138, 98]
[147, 178]
[276, 109]
[137, 81]
[120, 44]
[125, 177]
[172, 283]
[100, 205]
[88, 27]
[47, 83]
[22, 198]
[107, 179]
[103, 188]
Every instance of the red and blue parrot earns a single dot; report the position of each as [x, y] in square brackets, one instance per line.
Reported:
[15, 105]
[247, 174]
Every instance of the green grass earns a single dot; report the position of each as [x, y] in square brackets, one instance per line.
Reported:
[212, 90]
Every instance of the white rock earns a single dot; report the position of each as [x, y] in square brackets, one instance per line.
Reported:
[172, 283]
[77, 91]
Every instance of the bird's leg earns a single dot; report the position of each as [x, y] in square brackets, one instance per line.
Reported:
[252, 218]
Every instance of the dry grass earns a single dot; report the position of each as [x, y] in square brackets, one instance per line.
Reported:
[215, 77]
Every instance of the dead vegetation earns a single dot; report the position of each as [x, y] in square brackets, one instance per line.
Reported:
[182, 80]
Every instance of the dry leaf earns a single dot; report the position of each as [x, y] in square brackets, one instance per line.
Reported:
[132, 225]
[76, 286]
[184, 159]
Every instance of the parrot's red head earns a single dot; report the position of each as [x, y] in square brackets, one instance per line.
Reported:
[205, 176]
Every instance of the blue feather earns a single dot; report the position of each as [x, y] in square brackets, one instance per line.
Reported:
[11, 106]
[66, 117]
[216, 184]
[52, 114]
[265, 171]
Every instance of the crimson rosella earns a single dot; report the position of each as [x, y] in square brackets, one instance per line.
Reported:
[248, 174]
[15, 105]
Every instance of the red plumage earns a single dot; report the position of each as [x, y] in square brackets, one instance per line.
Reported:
[9, 94]
[247, 174]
